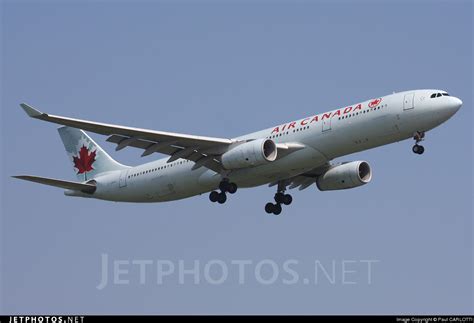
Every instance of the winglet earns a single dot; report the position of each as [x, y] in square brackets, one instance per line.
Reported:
[30, 111]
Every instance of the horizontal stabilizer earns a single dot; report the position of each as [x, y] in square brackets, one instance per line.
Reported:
[86, 188]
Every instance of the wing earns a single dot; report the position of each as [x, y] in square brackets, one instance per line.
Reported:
[204, 151]
[304, 180]
[86, 188]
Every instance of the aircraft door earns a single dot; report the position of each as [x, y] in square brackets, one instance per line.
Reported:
[326, 124]
[409, 101]
[123, 178]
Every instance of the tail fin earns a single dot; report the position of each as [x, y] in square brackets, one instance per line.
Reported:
[87, 158]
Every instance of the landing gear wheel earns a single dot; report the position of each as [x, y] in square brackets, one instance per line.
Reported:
[232, 188]
[224, 186]
[418, 136]
[214, 196]
[277, 209]
[279, 197]
[269, 208]
[221, 198]
[418, 149]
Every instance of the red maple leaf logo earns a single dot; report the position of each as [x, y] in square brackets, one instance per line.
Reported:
[84, 160]
[374, 102]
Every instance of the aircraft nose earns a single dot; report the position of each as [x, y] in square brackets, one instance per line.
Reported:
[455, 104]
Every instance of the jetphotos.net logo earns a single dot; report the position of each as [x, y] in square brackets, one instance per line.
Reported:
[125, 272]
[46, 319]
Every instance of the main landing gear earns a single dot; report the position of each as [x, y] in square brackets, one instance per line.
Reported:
[280, 198]
[225, 186]
[418, 137]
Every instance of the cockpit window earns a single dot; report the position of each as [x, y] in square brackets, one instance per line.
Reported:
[437, 95]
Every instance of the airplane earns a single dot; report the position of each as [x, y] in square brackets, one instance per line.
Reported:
[295, 154]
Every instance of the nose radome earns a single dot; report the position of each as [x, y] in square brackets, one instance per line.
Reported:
[456, 104]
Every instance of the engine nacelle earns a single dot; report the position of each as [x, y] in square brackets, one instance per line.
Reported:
[252, 153]
[348, 175]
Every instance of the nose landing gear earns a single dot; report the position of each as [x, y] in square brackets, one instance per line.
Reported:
[224, 186]
[419, 136]
[418, 149]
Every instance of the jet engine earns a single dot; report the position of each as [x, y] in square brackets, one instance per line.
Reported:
[347, 175]
[252, 153]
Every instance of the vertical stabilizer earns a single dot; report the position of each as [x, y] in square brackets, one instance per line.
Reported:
[87, 157]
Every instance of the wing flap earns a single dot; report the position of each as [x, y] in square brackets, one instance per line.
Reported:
[171, 149]
[75, 186]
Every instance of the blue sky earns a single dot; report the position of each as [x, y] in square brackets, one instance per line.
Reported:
[225, 69]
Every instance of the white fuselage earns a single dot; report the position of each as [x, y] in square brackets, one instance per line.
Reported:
[325, 136]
